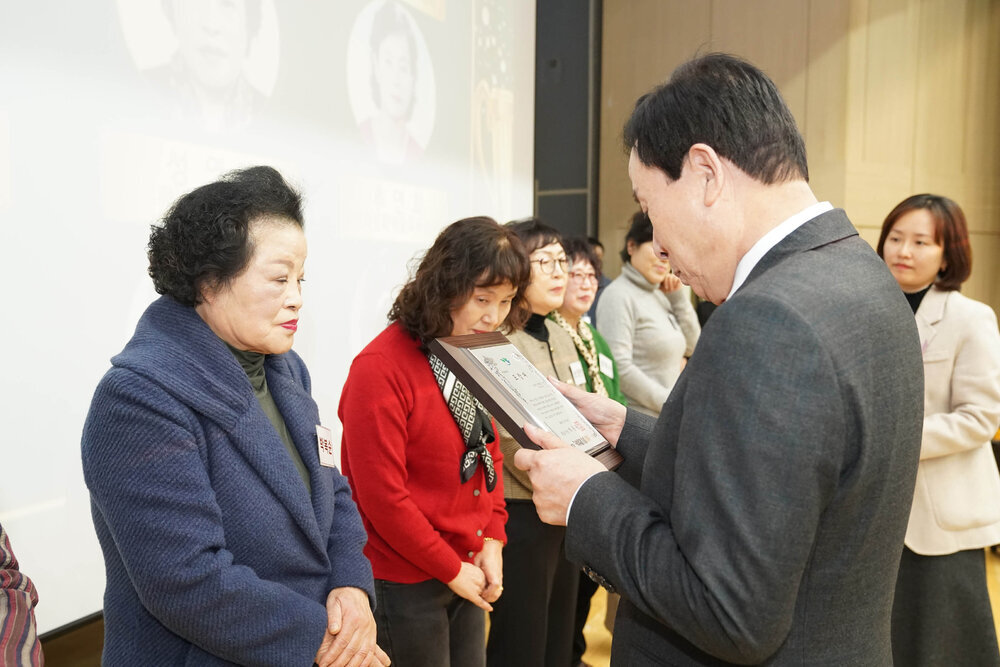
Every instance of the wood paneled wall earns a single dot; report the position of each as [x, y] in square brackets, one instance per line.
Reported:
[893, 97]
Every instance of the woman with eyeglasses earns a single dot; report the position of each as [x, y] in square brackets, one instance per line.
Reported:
[647, 318]
[422, 456]
[598, 369]
[595, 366]
[532, 624]
[941, 613]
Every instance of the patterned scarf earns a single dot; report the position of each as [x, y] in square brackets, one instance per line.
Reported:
[472, 420]
[583, 338]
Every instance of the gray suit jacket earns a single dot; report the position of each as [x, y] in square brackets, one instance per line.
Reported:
[760, 519]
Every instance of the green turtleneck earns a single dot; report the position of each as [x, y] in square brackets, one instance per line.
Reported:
[253, 364]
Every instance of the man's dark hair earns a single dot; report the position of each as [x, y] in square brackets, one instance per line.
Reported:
[204, 240]
[724, 102]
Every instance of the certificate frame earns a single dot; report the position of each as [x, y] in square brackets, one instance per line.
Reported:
[464, 356]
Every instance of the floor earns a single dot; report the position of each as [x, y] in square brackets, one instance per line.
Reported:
[82, 648]
[599, 639]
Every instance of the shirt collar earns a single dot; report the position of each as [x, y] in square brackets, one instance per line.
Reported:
[773, 238]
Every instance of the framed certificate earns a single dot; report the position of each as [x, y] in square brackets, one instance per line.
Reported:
[516, 393]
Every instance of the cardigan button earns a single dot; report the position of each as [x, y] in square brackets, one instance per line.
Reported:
[479, 533]
[475, 492]
[471, 554]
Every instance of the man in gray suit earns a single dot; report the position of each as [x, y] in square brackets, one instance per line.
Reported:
[760, 519]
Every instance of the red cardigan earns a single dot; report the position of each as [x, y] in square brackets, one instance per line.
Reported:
[401, 451]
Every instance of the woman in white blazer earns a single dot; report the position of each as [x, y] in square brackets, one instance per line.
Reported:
[941, 612]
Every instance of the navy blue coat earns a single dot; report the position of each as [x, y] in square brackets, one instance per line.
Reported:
[214, 551]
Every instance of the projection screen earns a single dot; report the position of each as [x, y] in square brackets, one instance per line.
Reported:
[394, 117]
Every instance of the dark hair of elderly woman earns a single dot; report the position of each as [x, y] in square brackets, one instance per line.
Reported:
[941, 605]
[434, 537]
[205, 240]
[477, 252]
[212, 494]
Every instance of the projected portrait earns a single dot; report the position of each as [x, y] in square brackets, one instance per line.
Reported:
[390, 82]
[215, 61]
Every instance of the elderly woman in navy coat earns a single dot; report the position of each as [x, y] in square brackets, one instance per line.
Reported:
[227, 538]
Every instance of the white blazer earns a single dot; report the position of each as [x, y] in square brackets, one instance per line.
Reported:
[956, 503]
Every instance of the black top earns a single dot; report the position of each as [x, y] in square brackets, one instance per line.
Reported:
[914, 298]
[535, 327]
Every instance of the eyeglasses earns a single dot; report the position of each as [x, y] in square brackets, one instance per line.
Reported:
[580, 278]
[548, 266]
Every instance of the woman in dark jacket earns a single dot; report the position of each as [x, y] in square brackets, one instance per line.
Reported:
[228, 537]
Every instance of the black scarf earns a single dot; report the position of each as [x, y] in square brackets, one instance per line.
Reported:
[472, 420]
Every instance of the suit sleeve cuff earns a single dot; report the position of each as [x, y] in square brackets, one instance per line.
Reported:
[569, 507]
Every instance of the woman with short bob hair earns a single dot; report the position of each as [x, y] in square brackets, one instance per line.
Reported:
[422, 453]
[942, 612]
[226, 538]
[951, 233]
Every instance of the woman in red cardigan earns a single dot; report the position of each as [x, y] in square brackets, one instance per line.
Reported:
[422, 454]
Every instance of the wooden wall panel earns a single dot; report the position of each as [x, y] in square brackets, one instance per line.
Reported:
[982, 108]
[642, 42]
[942, 89]
[773, 35]
[893, 97]
[824, 124]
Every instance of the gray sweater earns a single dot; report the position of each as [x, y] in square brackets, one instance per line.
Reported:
[649, 333]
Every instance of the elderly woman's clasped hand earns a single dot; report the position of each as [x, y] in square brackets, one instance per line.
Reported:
[350, 634]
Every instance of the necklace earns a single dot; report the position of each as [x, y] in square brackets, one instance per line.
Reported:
[583, 339]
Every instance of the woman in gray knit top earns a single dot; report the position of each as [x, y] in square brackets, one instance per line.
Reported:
[646, 316]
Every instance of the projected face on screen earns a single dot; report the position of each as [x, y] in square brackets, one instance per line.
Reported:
[390, 82]
[393, 64]
[215, 61]
[212, 39]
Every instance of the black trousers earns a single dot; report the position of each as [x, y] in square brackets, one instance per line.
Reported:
[532, 622]
[941, 613]
[586, 590]
[427, 625]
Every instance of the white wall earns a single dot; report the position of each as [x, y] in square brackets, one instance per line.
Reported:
[98, 135]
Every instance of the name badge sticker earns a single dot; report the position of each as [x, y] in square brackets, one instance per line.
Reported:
[607, 366]
[576, 368]
[324, 440]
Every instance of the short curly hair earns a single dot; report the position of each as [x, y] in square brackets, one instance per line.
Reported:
[469, 253]
[204, 240]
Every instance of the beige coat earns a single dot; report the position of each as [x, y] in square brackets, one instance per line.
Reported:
[956, 503]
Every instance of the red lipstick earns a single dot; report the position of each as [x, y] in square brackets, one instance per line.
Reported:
[291, 325]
